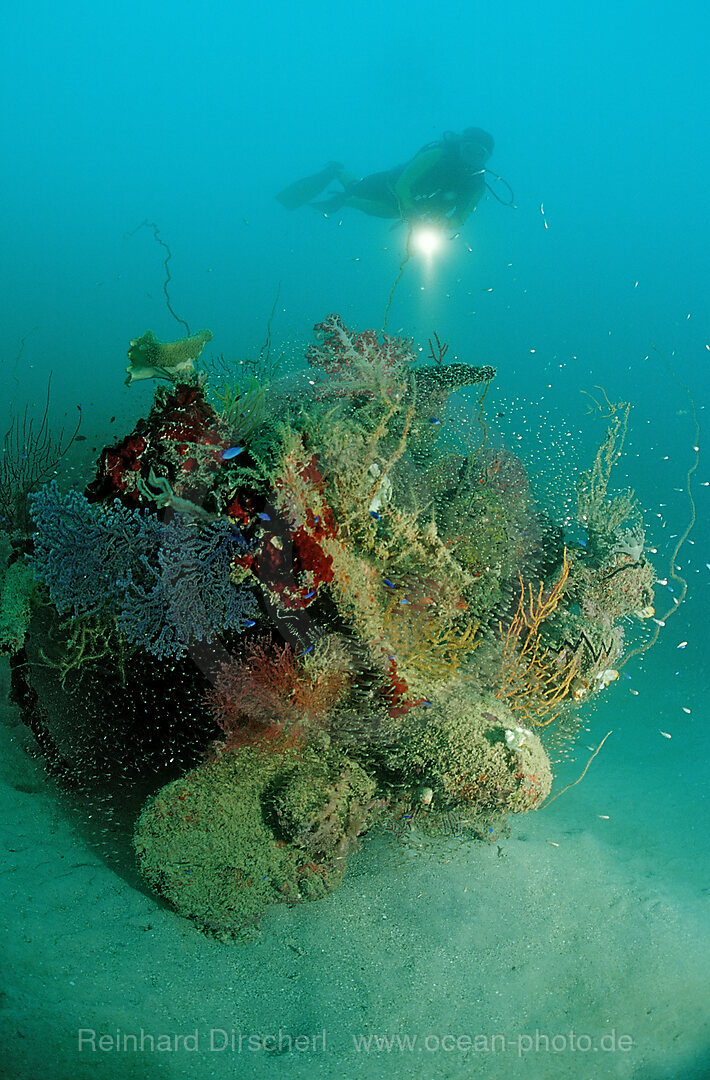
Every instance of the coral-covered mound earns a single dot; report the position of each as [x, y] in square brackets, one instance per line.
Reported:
[472, 753]
[311, 605]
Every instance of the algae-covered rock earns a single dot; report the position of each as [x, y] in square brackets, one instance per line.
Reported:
[324, 808]
[462, 750]
[250, 829]
[204, 846]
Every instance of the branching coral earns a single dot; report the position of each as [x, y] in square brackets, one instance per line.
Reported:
[86, 642]
[270, 693]
[365, 365]
[533, 681]
[602, 517]
[425, 644]
[29, 455]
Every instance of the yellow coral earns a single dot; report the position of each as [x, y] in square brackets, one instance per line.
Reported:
[421, 643]
[533, 683]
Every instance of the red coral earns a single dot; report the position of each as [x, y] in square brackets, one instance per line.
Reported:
[186, 418]
[269, 696]
[179, 419]
[395, 690]
[119, 467]
[309, 471]
[241, 509]
[308, 555]
[292, 560]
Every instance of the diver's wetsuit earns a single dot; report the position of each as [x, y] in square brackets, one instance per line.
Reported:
[439, 184]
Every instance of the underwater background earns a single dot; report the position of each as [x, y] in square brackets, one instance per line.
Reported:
[130, 127]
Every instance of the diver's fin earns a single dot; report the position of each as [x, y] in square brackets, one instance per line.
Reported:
[302, 191]
[347, 179]
[332, 203]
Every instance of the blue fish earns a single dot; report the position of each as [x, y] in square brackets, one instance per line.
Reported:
[231, 453]
[250, 622]
[310, 594]
[434, 420]
[264, 517]
[375, 515]
[388, 583]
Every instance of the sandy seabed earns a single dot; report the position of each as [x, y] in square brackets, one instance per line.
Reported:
[577, 948]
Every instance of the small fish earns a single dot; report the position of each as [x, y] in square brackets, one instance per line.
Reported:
[306, 651]
[231, 453]
[112, 420]
[388, 583]
[250, 622]
[604, 817]
[375, 515]
[686, 710]
[434, 420]
[310, 594]
[263, 517]
[404, 601]
[665, 734]
[682, 645]
[80, 438]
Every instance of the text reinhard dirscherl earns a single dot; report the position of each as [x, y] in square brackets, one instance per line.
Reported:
[213, 1040]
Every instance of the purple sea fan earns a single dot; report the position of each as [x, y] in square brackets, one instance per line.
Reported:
[166, 584]
[186, 594]
[81, 550]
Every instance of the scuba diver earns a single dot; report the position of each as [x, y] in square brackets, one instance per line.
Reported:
[441, 185]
